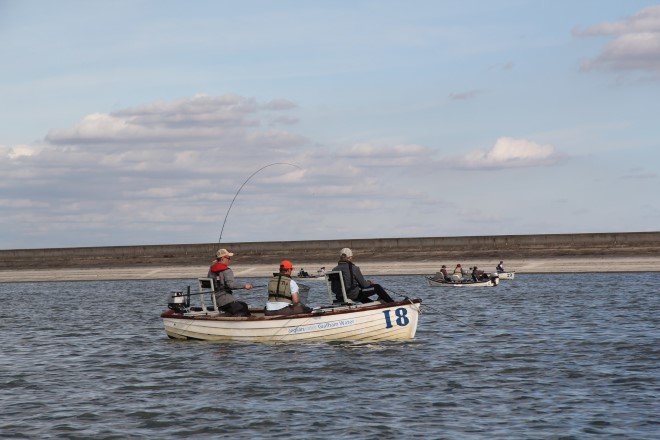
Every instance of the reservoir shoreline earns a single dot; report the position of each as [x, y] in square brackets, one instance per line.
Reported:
[370, 269]
[548, 253]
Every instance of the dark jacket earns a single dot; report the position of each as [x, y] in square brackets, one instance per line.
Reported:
[354, 281]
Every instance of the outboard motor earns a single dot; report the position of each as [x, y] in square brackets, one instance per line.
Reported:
[495, 279]
[179, 302]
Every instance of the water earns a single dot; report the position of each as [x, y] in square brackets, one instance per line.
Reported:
[543, 356]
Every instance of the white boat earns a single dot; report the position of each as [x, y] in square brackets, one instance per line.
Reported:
[309, 277]
[492, 281]
[318, 276]
[343, 320]
[505, 275]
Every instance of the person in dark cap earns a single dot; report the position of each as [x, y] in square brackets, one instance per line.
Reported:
[445, 275]
[357, 287]
[224, 282]
[475, 274]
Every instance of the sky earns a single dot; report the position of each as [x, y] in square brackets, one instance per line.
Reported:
[163, 122]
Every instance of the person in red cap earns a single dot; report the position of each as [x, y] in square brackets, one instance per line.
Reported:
[223, 279]
[283, 297]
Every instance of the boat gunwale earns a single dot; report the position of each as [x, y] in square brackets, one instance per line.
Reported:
[324, 311]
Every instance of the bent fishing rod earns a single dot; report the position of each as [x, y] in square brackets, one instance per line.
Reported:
[239, 190]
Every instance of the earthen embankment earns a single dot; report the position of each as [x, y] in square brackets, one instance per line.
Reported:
[541, 252]
[636, 244]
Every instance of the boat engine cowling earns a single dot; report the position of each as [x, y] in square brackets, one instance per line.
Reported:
[495, 279]
[178, 301]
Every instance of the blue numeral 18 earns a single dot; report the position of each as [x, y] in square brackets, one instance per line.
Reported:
[401, 320]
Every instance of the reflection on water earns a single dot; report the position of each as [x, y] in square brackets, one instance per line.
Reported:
[542, 356]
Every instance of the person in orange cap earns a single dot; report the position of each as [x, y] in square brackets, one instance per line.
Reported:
[283, 297]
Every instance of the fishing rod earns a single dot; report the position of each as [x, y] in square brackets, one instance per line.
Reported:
[440, 311]
[239, 190]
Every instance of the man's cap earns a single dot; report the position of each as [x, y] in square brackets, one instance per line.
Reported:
[346, 252]
[223, 253]
[286, 264]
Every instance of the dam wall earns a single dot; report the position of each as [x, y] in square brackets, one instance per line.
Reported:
[597, 245]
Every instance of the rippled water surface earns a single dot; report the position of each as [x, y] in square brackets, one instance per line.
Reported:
[542, 356]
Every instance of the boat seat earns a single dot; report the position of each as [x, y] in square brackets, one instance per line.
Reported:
[336, 288]
[206, 285]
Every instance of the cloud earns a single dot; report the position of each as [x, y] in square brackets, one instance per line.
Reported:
[152, 151]
[195, 120]
[635, 43]
[508, 66]
[16, 151]
[163, 169]
[377, 155]
[509, 153]
[201, 133]
[462, 96]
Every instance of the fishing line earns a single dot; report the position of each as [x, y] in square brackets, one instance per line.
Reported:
[239, 190]
[439, 311]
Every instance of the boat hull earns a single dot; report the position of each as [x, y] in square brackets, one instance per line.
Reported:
[506, 275]
[310, 278]
[381, 322]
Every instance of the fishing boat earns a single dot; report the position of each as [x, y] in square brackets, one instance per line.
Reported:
[505, 275]
[318, 276]
[309, 277]
[439, 281]
[342, 320]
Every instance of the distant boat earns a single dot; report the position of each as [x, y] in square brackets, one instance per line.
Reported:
[309, 277]
[343, 320]
[492, 281]
[505, 275]
[319, 275]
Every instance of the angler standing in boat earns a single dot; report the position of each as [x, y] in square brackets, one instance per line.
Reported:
[223, 278]
[283, 296]
[357, 287]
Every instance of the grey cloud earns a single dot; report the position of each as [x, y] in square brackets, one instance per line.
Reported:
[635, 45]
[279, 104]
[462, 96]
[191, 119]
[284, 120]
[648, 19]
